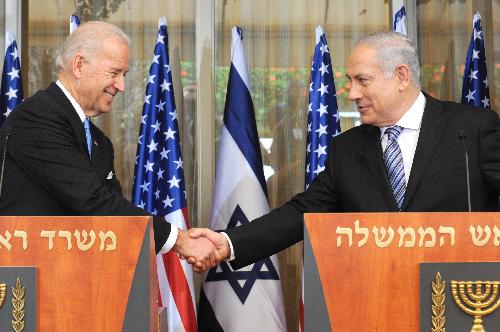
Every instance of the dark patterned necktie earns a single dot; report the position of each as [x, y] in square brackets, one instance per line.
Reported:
[394, 165]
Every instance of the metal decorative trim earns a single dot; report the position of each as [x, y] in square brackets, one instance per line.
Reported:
[18, 306]
[438, 306]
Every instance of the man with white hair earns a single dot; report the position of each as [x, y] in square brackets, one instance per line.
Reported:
[408, 155]
[57, 162]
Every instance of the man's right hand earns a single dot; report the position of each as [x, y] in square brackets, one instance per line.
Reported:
[197, 249]
[217, 239]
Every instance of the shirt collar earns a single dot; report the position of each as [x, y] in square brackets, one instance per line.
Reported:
[74, 103]
[412, 119]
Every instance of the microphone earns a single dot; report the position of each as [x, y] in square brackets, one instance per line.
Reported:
[462, 137]
[7, 134]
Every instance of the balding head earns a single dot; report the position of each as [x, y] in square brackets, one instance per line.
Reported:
[394, 49]
[87, 41]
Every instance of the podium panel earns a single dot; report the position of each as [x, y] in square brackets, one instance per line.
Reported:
[364, 267]
[93, 273]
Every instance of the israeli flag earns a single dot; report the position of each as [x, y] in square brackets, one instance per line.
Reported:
[399, 21]
[249, 299]
[74, 23]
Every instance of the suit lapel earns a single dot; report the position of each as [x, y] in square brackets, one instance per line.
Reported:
[97, 152]
[433, 119]
[76, 123]
[372, 152]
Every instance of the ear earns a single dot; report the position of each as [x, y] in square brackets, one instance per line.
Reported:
[77, 65]
[403, 75]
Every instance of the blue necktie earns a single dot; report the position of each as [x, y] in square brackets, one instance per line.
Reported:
[394, 164]
[86, 125]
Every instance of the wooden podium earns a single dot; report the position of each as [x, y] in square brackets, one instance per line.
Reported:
[92, 273]
[361, 271]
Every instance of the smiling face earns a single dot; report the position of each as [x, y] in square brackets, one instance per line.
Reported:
[378, 98]
[101, 78]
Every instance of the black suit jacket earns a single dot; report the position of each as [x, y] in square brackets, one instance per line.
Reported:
[47, 166]
[355, 179]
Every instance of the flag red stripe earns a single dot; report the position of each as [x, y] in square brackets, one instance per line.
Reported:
[186, 219]
[301, 318]
[180, 290]
[160, 302]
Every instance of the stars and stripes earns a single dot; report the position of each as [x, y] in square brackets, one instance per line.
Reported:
[475, 89]
[74, 23]
[159, 186]
[249, 299]
[12, 88]
[399, 21]
[323, 122]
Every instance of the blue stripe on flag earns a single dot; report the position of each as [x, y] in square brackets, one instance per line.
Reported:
[241, 125]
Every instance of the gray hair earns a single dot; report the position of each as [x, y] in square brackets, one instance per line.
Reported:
[88, 40]
[394, 49]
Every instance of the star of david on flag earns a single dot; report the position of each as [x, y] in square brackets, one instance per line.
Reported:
[12, 87]
[242, 281]
[475, 90]
[249, 299]
[159, 186]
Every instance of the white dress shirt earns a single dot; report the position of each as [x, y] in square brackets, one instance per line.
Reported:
[74, 103]
[407, 140]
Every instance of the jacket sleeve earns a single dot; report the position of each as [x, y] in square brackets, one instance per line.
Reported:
[284, 226]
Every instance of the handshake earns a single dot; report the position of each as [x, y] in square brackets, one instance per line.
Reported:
[202, 248]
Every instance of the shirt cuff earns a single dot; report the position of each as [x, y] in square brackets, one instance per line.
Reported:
[172, 237]
[231, 256]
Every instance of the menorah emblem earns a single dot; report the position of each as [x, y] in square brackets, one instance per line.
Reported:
[476, 299]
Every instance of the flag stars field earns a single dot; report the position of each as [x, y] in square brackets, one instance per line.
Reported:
[160, 173]
[323, 89]
[152, 146]
[14, 73]
[165, 86]
[169, 134]
[11, 89]
[475, 89]
[164, 153]
[324, 123]
[151, 79]
[156, 126]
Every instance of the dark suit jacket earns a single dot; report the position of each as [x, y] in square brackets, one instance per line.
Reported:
[48, 170]
[355, 179]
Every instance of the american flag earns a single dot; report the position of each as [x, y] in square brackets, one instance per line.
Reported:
[74, 23]
[323, 122]
[159, 183]
[475, 90]
[12, 88]
[399, 21]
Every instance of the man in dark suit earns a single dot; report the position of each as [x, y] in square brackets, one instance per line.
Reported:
[408, 155]
[57, 162]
